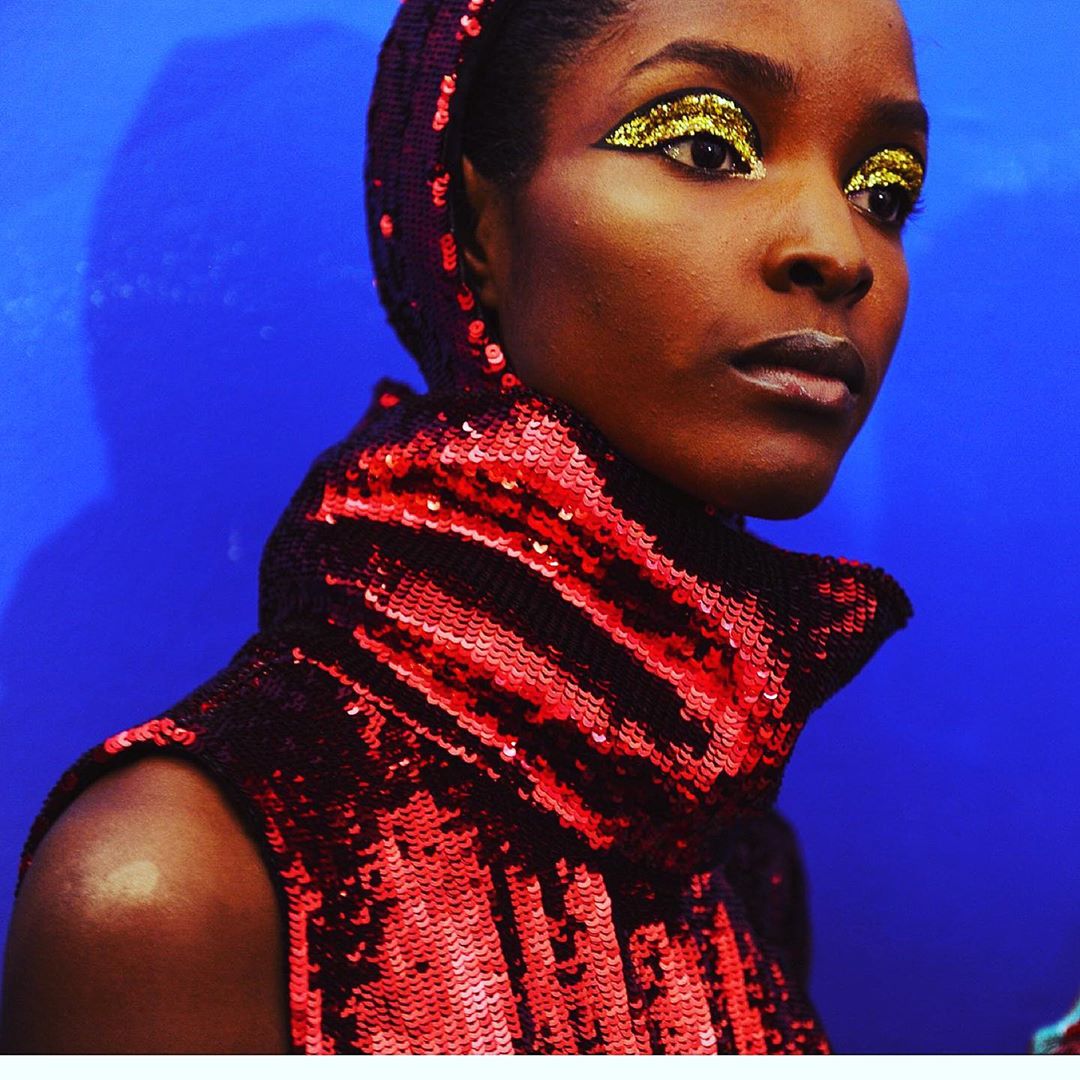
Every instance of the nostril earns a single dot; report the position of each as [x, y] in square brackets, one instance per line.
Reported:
[831, 281]
[865, 284]
[802, 272]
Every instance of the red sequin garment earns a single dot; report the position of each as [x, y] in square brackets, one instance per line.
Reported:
[517, 709]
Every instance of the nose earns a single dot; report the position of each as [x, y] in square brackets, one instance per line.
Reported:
[817, 245]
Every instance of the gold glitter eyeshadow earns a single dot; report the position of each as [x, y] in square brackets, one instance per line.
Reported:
[888, 168]
[683, 118]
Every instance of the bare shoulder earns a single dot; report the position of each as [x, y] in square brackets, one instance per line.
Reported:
[147, 923]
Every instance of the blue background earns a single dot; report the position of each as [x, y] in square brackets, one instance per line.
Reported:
[187, 318]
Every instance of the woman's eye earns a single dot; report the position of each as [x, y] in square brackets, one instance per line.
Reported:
[702, 130]
[707, 153]
[887, 185]
[888, 204]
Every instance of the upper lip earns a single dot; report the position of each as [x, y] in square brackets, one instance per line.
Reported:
[812, 351]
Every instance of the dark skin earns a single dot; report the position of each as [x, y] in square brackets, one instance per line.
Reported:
[623, 281]
[147, 922]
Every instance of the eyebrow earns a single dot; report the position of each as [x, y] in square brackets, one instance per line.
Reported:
[774, 76]
[899, 113]
[730, 61]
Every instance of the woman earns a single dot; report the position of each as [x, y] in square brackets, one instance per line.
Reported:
[494, 775]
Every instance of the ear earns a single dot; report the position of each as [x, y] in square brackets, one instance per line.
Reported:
[485, 250]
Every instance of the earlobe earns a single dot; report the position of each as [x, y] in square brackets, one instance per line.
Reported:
[483, 247]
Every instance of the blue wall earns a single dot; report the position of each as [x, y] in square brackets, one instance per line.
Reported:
[186, 319]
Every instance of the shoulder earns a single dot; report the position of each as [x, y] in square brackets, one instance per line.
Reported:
[147, 922]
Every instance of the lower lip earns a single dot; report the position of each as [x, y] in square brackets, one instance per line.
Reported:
[819, 392]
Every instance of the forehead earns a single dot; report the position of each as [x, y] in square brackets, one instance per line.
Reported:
[864, 42]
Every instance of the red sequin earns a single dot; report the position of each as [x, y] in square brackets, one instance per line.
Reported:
[507, 774]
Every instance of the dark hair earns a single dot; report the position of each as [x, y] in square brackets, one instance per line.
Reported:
[506, 110]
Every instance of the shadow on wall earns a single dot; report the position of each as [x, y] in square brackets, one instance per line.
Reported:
[234, 333]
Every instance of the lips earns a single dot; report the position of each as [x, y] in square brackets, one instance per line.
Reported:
[809, 351]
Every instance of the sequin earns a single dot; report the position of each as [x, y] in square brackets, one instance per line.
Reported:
[503, 780]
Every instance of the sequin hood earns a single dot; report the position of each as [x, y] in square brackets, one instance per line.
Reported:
[413, 149]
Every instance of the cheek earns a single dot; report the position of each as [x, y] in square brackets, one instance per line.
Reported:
[886, 305]
[607, 260]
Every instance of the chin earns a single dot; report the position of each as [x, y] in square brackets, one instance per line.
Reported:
[782, 506]
[775, 496]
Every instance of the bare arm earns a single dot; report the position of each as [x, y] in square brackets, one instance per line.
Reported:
[146, 924]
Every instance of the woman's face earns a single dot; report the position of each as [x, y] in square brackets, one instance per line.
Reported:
[712, 181]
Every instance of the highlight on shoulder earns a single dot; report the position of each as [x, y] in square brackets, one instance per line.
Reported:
[146, 923]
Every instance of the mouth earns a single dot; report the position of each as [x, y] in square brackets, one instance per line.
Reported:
[823, 357]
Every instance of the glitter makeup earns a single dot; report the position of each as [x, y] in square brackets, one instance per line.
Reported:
[665, 124]
[888, 170]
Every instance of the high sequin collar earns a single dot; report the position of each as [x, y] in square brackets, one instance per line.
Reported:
[612, 651]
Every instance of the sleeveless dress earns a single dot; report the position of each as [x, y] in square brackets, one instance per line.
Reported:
[511, 729]
[508, 737]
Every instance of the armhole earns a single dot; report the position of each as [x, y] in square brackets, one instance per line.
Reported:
[122, 750]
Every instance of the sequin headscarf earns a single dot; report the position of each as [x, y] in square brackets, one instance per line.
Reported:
[517, 710]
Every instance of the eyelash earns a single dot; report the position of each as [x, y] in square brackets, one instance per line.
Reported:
[705, 112]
